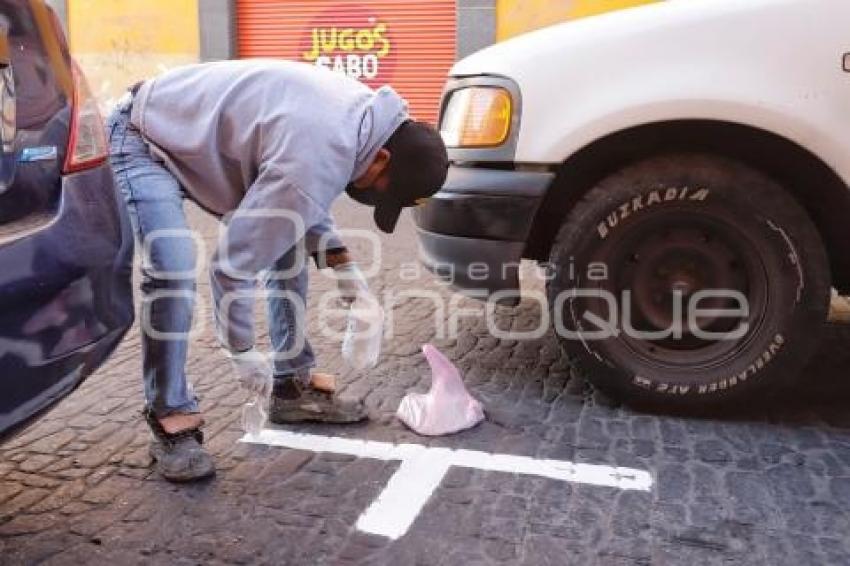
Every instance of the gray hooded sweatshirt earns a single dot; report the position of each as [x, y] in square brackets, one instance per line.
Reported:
[269, 145]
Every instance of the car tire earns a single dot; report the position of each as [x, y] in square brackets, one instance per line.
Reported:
[725, 242]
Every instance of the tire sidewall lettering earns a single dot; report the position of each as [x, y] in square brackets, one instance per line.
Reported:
[648, 201]
[718, 384]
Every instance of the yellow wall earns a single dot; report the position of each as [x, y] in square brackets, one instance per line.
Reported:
[514, 17]
[118, 42]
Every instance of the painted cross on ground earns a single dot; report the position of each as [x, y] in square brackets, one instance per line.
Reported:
[422, 469]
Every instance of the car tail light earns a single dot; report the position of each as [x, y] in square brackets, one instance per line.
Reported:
[87, 143]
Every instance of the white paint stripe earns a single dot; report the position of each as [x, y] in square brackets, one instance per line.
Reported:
[423, 468]
[402, 500]
[338, 445]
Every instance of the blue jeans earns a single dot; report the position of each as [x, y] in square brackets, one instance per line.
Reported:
[154, 200]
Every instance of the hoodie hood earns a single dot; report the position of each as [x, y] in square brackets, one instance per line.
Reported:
[384, 113]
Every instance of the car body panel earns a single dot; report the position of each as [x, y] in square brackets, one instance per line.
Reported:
[473, 231]
[682, 60]
[580, 82]
[479, 268]
[66, 246]
[65, 298]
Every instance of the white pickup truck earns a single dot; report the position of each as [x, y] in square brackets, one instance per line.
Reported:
[681, 168]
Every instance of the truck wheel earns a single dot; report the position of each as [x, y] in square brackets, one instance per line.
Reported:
[688, 281]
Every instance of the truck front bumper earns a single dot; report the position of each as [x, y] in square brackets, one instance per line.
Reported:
[474, 231]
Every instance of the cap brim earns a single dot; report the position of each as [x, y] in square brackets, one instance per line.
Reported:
[386, 216]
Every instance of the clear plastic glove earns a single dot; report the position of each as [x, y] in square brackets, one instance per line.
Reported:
[361, 346]
[253, 371]
[447, 407]
[254, 414]
[350, 282]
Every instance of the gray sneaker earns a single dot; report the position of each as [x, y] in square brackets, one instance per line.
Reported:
[179, 457]
[292, 402]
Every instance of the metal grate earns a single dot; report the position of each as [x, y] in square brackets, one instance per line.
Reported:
[409, 45]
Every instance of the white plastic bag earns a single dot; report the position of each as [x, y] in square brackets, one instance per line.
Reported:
[254, 414]
[361, 346]
[447, 407]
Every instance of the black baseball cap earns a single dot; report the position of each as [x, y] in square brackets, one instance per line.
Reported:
[417, 169]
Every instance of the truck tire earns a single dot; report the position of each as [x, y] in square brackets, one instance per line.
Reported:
[728, 245]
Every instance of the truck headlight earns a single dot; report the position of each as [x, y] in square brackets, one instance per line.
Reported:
[477, 116]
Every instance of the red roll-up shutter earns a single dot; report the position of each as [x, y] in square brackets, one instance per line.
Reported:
[409, 45]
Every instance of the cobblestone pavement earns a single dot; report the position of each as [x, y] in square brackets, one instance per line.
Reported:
[771, 488]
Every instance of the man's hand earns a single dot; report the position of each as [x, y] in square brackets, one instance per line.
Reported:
[253, 371]
[350, 282]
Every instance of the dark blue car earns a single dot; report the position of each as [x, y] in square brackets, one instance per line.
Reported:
[65, 242]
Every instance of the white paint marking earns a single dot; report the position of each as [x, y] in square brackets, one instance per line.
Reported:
[407, 492]
[423, 468]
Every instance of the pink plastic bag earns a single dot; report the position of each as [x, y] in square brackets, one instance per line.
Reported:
[447, 407]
